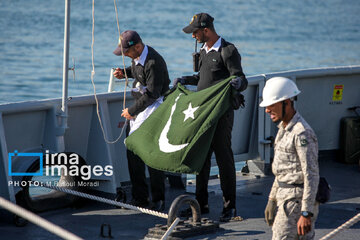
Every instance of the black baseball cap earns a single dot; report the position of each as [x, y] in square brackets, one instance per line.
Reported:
[200, 20]
[128, 39]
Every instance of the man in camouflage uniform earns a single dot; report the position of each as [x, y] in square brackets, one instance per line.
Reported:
[295, 165]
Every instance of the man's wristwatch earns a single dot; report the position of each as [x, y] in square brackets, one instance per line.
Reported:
[306, 214]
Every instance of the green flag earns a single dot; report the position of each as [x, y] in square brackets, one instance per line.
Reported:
[177, 136]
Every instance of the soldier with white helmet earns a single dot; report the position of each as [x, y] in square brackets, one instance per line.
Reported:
[295, 165]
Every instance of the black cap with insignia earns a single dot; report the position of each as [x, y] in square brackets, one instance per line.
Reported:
[128, 39]
[200, 20]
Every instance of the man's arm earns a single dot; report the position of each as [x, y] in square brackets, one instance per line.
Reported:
[191, 80]
[119, 73]
[154, 84]
[274, 189]
[307, 150]
[232, 61]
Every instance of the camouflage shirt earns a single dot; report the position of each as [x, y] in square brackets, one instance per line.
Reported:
[296, 162]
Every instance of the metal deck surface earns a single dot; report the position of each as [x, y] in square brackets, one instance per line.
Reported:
[252, 192]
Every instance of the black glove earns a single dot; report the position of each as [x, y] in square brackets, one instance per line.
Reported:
[180, 80]
[238, 100]
[236, 82]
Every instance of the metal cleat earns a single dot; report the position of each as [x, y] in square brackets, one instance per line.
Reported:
[193, 226]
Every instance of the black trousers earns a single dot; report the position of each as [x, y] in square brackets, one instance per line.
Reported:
[139, 184]
[221, 146]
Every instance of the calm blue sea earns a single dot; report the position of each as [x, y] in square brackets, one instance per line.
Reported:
[271, 36]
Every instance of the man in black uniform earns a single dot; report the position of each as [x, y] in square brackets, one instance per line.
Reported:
[151, 76]
[219, 60]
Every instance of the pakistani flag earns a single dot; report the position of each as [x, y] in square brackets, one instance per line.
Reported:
[177, 136]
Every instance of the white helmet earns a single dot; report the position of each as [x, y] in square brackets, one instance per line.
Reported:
[278, 89]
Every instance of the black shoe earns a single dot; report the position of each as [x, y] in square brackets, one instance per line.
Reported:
[187, 212]
[157, 206]
[227, 214]
[120, 196]
[139, 203]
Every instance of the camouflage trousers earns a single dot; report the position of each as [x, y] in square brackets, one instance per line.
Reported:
[287, 216]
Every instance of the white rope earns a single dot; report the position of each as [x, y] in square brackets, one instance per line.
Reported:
[93, 83]
[170, 229]
[105, 200]
[37, 220]
[348, 224]
[123, 57]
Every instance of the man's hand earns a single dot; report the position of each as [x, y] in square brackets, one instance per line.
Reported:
[125, 114]
[304, 225]
[118, 73]
[236, 83]
[238, 100]
[270, 212]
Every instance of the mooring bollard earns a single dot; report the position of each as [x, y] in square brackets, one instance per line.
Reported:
[193, 226]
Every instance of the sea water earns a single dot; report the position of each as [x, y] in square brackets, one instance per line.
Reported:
[271, 36]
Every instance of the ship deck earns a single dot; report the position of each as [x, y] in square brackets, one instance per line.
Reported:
[252, 191]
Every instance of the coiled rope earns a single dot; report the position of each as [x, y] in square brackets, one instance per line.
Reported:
[105, 200]
[348, 224]
[93, 74]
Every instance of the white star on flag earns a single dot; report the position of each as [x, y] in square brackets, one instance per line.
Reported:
[189, 113]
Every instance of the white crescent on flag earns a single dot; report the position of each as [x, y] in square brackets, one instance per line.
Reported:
[164, 144]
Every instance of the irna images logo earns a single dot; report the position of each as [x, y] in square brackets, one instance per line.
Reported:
[17, 154]
[57, 164]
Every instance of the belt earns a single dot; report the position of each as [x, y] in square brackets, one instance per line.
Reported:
[286, 185]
